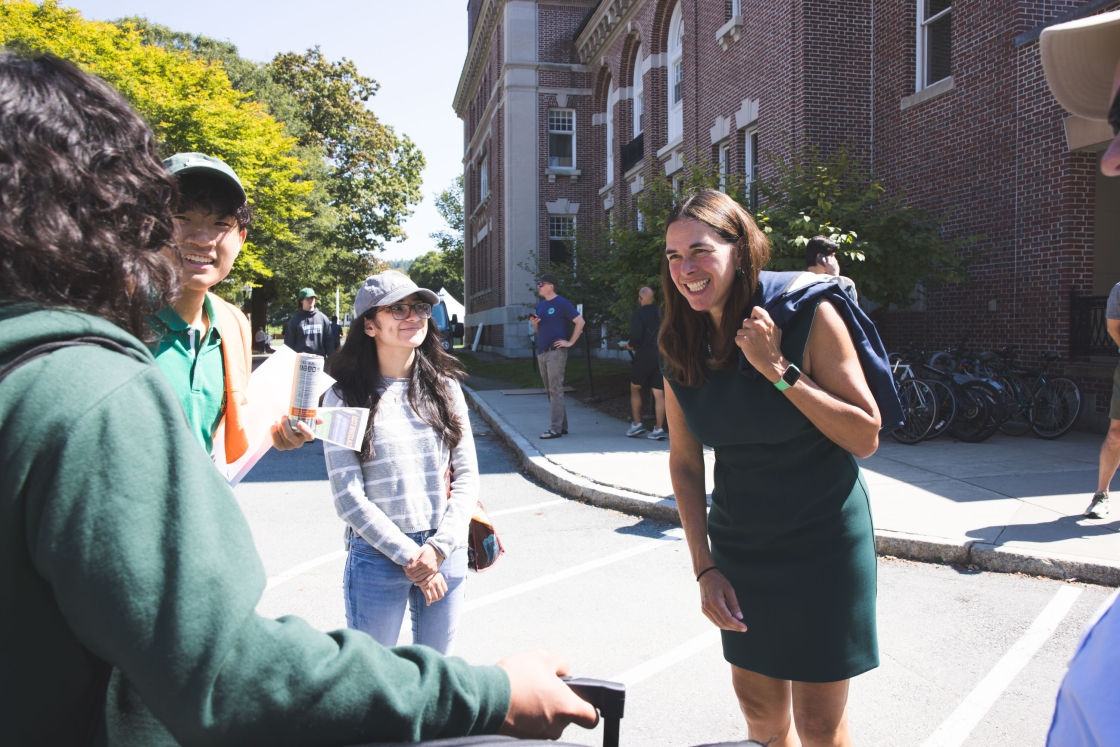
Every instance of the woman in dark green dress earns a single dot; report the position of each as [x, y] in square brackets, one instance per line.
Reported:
[789, 575]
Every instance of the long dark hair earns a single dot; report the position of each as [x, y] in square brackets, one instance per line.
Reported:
[359, 378]
[685, 333]
[85, 202]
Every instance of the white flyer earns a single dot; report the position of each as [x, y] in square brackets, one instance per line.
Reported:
[345, 426]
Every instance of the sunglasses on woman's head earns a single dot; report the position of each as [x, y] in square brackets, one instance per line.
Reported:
[402, 311]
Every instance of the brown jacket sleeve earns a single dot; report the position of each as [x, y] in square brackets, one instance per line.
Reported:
[237, 357]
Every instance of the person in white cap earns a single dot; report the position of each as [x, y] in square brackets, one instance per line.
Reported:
[1082, 64]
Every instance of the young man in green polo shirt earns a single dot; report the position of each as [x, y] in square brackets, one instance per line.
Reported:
[203, 343]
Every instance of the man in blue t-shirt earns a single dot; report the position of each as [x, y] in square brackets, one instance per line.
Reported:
[551, 324]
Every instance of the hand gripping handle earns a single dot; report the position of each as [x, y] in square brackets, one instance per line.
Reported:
[608, 697]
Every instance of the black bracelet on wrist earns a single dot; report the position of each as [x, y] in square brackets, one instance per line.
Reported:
[709, 568]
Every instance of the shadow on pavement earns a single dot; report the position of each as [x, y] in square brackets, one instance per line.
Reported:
[1058, 530]
[299, 465]
[645, 528]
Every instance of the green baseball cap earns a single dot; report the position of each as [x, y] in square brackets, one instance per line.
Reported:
[195, 163]
[308, 293]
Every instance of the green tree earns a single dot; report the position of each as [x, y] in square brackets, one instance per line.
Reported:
[449, 241]
[428, 271]
[887, 247]
[190, 105]
[374, 175]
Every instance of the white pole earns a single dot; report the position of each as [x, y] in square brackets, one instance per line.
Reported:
[336, 305]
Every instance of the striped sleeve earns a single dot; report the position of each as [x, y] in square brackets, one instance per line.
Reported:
[344, 468]
[456, 520]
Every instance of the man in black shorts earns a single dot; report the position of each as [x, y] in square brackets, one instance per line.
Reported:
[646, 371]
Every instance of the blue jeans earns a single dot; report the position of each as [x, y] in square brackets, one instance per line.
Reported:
[377, 591]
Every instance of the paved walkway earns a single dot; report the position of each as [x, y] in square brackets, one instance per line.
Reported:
[1009, 504]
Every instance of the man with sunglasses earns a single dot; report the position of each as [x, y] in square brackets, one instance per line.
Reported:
[550, 323]
[1082, 64]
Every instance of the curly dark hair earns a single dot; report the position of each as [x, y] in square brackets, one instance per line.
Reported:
[355, 369]
[85, 202]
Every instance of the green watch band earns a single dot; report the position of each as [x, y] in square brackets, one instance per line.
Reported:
[789, 378]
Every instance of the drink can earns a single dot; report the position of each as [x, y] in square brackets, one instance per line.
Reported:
[305, 388]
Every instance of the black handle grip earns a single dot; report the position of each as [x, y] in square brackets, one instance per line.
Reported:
[608, 697]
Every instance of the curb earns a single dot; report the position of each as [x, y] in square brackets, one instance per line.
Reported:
[983, 555]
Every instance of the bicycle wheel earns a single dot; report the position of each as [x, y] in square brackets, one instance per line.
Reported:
[1056, 408]
[919, 411]
[946, 408]
[979, 412]
[1020, 410]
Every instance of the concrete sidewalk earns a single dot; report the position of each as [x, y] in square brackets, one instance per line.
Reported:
[1009, 504]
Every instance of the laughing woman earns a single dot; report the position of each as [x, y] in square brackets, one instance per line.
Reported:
[789, 575]
[406, 534]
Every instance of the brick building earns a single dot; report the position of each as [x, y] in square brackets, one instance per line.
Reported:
[568, 105]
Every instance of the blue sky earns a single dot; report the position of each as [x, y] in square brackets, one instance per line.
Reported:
[415, 50]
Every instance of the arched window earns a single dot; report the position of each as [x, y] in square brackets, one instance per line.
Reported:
[610, 135]
[639, 94]
[676, 75]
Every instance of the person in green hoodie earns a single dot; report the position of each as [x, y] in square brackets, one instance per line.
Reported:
[128, 573]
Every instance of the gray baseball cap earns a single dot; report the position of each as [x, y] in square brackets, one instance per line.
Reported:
[192, 163]
[386, 288]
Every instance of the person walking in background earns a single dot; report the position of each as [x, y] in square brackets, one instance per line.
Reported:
[820, 256]
[820, 259]
[645, 370]
[553, 319]
[1081, 60]
[129, 575]
[309, 330]
[408, 497]
[259, 338]
[202, 342]
[336, 333]
[786, 560]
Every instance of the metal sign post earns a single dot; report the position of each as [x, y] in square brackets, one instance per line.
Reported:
[587, 352]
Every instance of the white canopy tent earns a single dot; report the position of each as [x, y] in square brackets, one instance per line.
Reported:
[454, 308]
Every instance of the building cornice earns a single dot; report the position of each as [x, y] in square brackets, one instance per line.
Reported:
[607, 22]
[488, 16]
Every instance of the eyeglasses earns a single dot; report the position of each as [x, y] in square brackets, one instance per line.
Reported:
[541, 283]
[402, 311]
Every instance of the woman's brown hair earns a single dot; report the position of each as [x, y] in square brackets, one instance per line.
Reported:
[359, 381]
[685, 333]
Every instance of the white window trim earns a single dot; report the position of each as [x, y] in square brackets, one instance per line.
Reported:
[723, 162]
[750, 158]
[676, 56]
[920, 47]
[638, 105]
[610, 136]
[575, 164]
[484, 178]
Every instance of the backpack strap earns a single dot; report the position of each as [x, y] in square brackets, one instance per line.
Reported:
[46, 348]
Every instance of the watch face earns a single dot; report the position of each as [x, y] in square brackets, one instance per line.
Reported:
[791, 375]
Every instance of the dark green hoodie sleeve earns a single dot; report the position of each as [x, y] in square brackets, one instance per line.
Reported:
[153, 567]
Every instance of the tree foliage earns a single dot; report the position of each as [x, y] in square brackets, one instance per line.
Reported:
[189, 103]
[329, 183]
[888, 248]
[373, 174]
[449, 258]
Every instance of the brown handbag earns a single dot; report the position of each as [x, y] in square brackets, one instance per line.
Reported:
[484, 547]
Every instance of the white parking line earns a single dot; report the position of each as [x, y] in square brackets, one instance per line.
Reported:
[955, 729]
[667, 538]
[534, 507]
[291, 573]
[673, 656]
